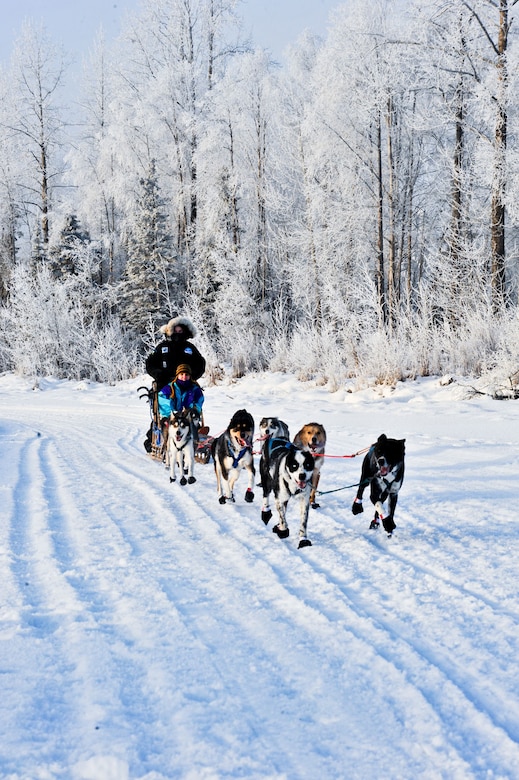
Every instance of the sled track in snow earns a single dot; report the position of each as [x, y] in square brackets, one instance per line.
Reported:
[151, 603]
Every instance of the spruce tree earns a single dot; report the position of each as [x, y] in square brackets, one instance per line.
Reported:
[63, 255]
[149, 277]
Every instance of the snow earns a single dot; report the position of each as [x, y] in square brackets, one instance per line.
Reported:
[147, 632]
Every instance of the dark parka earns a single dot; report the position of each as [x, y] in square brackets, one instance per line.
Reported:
[175, 349]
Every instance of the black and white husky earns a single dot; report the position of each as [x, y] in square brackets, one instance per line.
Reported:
[232, 452]
[286, 471]
[272, 432]
[181, 446]
[383, 470]
[273, 428]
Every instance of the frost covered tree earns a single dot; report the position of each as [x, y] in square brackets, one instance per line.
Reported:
[350, 204]
[500, 21]
[38, 71]
[99, 194]
[10, 194]
[149, 282]
[449, 114]
[297, 223]
[175, 50]
[364, 108]
[63, 328]
[62, 255]
[233, 238]
[469, 50]
[9, 219]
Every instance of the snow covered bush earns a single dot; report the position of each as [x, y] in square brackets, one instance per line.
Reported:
[62, 328]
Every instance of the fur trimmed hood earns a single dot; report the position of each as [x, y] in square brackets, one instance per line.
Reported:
[186, 323]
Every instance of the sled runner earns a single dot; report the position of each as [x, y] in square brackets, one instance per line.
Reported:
[154, 443]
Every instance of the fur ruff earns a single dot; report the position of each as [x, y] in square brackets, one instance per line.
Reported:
[186, 323]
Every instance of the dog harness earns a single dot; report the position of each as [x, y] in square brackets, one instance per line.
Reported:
[279, 444]
[236, 458]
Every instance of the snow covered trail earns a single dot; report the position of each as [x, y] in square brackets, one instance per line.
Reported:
[146, 631]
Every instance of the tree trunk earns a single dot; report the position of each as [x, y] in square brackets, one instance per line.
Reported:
[391, 267]
[498, 275]
[379, 272]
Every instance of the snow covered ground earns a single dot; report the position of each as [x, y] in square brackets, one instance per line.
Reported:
[146, 631]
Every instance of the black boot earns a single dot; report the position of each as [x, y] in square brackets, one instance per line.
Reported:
[147, 441]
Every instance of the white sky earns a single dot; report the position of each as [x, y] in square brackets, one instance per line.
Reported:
[272, 24]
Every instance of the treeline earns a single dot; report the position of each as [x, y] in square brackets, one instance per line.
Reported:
[349, 215]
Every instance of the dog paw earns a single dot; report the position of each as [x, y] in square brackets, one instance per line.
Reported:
[266, 514]
[374, 525]
[304, 542]
[281, 532]
[172, 479]
[357, 508]
[389, 525]
[191, 480]
[315, 505]
[222, 499]
[183, 481]
[249, 496]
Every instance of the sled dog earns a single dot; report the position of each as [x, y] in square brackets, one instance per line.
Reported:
[383, 470]
[273, 427]
[273, 431]
[312, 438]
[232, 452]
[181, 446]
[286, 471]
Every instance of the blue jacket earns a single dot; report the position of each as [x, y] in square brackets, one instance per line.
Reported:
[180, 395]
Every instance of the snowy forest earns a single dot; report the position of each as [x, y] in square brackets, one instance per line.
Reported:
[349, 214]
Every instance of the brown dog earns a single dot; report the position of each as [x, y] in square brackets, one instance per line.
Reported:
[312, 438]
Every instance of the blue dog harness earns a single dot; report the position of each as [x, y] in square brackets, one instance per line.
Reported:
[236, 458]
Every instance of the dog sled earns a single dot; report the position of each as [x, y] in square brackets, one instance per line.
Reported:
[156, 437]
[154, 441]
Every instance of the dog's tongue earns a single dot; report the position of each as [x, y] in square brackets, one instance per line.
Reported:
[383, 471]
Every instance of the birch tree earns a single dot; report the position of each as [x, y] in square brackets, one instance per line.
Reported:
[175, 51]
[38, 70]
[366, 104]
[92, 167]
[471, 40]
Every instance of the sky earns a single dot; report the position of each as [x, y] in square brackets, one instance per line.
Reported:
[148, 632]
[272, 24]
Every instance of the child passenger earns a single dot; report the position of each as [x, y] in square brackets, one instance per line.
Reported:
[181, 394]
